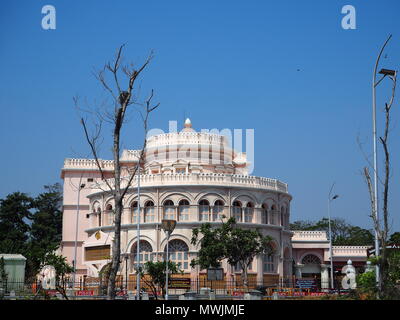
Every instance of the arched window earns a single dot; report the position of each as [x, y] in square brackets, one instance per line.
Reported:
[249, 212]
[273, 214]
[270, 260]
[145, 253]
[183, 210]
[134, 212]
[264, 214]
[218, 210]
[169, 210]
[109, 214]
[282, 215]
[311, 259]
[99, 216]
[179, 253]
[149, 212]
[237, 211]
[287, 217]
[287, 263]
[204, 210]
[269, 263]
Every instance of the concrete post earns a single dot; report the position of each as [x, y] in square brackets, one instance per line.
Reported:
[324, 277]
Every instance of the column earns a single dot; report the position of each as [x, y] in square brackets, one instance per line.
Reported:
[298, 268]
[260, 271]
[324, 277]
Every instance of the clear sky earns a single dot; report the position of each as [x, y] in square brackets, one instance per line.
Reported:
[287, 69]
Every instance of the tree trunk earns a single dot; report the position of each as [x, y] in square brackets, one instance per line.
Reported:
[245, 277]
[116, 251]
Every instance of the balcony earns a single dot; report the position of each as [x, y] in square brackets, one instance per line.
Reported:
[201, 179]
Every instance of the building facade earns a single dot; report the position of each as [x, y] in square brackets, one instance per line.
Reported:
[188, 176]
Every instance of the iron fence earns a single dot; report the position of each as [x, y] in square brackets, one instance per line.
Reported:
[126, 289]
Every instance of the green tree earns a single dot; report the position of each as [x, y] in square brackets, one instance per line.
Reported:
[3, 277]
[366, 282]
[3, 273]
[156, 275]
[62, 269]
[46, 228]
[302, 225]
[395, 238]
[343, 233]
[14, 222]
[239, 246]
[212, 245]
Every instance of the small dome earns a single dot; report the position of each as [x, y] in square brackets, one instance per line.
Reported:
[188, 126]
[188, 123]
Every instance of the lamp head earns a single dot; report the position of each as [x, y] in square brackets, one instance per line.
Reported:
[387, 72]
[168, 225]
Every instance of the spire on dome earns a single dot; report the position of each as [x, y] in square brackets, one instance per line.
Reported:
[188, 123]
[188, 126]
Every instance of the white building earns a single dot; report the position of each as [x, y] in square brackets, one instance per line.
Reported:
[190, 177]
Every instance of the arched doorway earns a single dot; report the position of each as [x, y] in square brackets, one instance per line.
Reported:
[311, 268]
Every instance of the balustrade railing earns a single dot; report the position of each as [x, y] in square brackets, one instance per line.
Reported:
[193, 179]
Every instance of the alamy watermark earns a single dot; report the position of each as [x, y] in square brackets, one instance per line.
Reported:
[349, 20]
[217, 148]
[49, 20]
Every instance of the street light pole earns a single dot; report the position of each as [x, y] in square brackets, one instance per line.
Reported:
[374, 84]
[138, 238]
[168, 226]
[166, 268]
[330, 199]
[126, 273]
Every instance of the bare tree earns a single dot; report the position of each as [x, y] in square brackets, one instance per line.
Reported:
[382, 226]
[115, 114]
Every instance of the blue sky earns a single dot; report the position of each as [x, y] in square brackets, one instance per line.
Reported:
[225, 64]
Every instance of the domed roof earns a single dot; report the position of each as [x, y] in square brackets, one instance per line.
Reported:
[188, 126]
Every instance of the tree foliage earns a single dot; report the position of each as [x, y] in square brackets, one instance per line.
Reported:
[343, 233]
[15, 213]
[3, 273]
[156, 275]
[366, 282]
[31, 226]
[62, 269]
[228, 241]
[395, 238]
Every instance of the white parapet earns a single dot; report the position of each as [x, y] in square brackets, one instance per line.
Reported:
[87, 164]
[349, 251]
[309, 236]
[207, 179]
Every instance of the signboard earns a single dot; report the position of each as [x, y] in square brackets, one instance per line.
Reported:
[179, 283]
[52, 293]
[215, 274]
[306, 283]
[85, 293]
